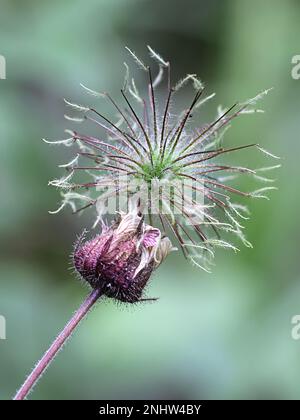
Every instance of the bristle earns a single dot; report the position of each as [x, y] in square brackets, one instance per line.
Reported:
[93, 92]
[136, 59]
[76, 106]
[157, 57]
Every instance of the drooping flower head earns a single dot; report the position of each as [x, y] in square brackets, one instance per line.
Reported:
[153, 156]
[120, 260]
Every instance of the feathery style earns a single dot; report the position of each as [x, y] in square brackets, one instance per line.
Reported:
[152, 152]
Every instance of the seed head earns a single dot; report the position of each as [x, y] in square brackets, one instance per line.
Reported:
[149, 151]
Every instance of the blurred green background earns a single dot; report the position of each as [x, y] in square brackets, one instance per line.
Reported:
[224, 335]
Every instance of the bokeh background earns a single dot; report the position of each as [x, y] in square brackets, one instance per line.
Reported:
[226, 335]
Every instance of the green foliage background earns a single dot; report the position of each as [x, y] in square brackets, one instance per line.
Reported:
[224, 335]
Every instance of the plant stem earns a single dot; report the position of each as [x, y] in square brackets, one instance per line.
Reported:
[57, 345]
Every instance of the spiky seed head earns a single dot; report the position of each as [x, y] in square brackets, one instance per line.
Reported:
[151, 149]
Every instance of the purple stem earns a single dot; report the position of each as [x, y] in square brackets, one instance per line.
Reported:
[57, 345]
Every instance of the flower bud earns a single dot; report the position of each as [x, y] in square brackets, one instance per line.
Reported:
[120, 260]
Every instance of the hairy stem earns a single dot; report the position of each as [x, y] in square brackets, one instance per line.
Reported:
[57, 345]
